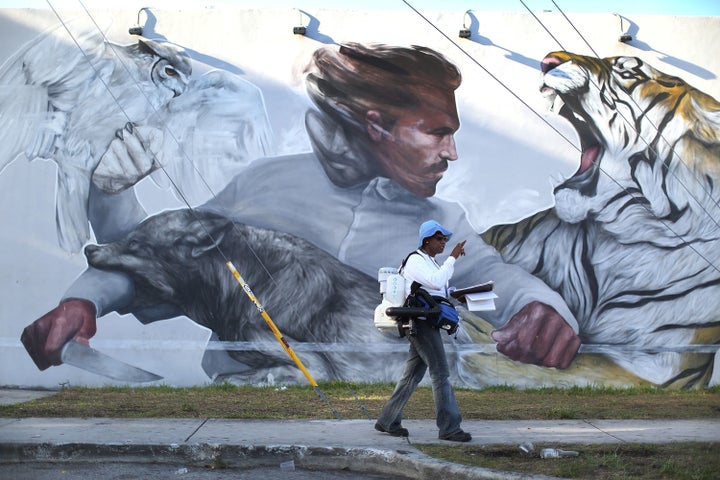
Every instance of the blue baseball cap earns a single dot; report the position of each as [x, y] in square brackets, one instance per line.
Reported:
[430, 228]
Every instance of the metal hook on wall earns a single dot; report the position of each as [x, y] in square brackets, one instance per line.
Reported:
[300, 30]
[624, 36]
[464, 31]
[137, 29]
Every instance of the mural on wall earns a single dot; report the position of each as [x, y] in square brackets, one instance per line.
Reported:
[589, 290]
[69, 116]
[72, 99]
[631, 243]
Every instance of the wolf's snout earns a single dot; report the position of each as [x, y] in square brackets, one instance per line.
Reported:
[92, 252]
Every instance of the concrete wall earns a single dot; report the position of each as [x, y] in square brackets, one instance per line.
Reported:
[513, 150]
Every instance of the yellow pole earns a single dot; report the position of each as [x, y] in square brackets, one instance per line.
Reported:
[278, 334]
[271, 324]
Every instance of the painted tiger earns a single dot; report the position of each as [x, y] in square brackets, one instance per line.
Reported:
[633, 240]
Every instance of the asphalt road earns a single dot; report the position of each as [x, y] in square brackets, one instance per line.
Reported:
[156, 471]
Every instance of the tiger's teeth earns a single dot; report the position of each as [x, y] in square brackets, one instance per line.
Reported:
[557, 104]
[549, 100]
[552, 100]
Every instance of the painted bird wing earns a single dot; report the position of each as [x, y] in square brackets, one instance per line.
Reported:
[218, 126]
[41, 86]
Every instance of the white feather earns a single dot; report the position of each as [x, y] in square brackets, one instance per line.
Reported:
[65, 103]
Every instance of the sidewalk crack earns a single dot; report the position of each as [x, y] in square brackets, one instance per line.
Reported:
[196, 430]
[603, 431]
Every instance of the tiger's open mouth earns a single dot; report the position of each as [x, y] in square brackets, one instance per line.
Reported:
[586, 177]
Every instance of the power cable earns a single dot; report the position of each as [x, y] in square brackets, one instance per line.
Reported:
[653, 150]
[600, 168]
[199, 174]
[184, 199]
[509, 90]
[649, 120]
[205, 183]
[179, 192]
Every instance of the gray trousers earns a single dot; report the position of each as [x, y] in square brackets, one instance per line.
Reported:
[426, 352]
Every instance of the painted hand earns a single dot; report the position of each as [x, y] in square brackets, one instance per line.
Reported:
[537, 334]
[129, 158]
[44, 338]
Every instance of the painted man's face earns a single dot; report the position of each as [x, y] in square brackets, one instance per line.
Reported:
[416, 150]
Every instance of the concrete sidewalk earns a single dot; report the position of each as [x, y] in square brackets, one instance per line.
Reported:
[315, 444]
[321, 445]
[345, 433]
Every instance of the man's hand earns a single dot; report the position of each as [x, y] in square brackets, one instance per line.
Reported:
[537, 334]
[46, 336]
[129, 158]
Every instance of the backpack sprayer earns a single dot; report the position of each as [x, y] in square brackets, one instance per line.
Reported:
[392, 314]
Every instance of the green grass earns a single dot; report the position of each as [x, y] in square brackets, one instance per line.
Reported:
[497, 403]
[691, 461]
[676, 461]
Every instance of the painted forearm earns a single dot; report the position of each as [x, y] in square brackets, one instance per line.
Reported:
[108, 290]
[514, 286]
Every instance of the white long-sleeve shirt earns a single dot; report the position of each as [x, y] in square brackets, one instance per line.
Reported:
[433, 277]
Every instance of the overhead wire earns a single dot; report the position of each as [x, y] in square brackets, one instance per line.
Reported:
[650, 121]
[542, 25]
[178, 191]
[187, 158]
[175, 187]
[500, 82]
[516, 96]
[663, 164]
[185, 200]
[210, 190]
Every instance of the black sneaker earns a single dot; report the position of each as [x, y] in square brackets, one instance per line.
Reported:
[400, 432]
[458, 436]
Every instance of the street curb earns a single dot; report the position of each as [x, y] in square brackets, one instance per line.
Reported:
[410, 464]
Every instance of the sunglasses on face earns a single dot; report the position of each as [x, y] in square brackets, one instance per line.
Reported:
[440, 237]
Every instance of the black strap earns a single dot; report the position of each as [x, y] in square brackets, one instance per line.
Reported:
[402, 265]
[415, 285]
